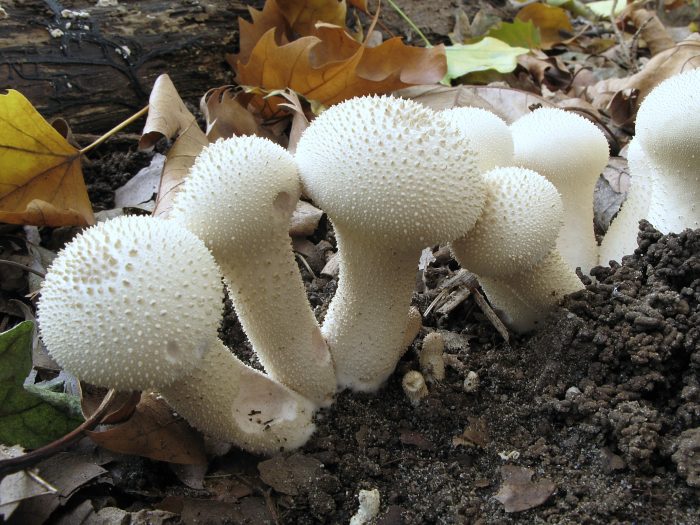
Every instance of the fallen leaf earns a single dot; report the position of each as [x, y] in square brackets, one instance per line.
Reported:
[475, 435]
[41, 181]
[19, 486]
[517, 34]
[416, 439]
[154, 432]
[359, 4]
[299, 120]
[226, 112]
[304, 220]
[652, 31]
[603, 8]
[518, 492]
[553, 22]
[291, 475]
[302, 15]
[25, 419]
[140, 189]
[509, 104]
[683, 56]
[331, 66]
[488, 53]
[169, 117]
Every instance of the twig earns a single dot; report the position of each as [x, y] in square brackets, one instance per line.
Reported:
[23, 267]
[116, 128]
[12, 465]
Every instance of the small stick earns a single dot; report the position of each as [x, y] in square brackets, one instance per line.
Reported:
[23, 267]
[116, 128]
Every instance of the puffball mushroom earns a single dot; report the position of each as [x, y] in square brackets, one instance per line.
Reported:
[512, 247]
[621, 237]
[239, 198]
[394, 177]
[490, 136]
[571, 152]
[668, 130]
[133, 304]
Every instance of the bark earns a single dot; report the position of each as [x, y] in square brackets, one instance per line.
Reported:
[96, 69]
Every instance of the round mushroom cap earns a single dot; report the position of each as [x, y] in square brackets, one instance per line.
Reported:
[489, 134]
[560, 145]
[236, 189]
[132, 303]
[392, 170]
[518, 227]
[668, 122]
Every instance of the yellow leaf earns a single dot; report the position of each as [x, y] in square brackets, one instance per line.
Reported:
[553, 22]
[41, 181]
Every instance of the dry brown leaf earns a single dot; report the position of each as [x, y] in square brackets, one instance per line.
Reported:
[683, 56]
[302, 15]
[154, 432]
[653, 31]
[226, 113]
[359, 4]
[41, 180]
[518, 492]
[169, 117]
[250, 33]
[553, 23]
[509, 104]
[547, 71]
[331, 66]
[299, 119]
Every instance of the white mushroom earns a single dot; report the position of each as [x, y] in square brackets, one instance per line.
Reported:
[239, 198]
[431, 362]
[571, 152]
[413, 384]
[668, 130]
[134, 303]
[621, 237]
[512, 248]
[489, 135]
[394, 177]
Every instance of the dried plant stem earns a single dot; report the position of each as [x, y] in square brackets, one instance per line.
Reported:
[403, 15]
[116, 128]
[23, 267]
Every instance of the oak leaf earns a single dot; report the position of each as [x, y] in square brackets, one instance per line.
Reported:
[302, 15]
[331, 66]
[41, 180]
[553, 22]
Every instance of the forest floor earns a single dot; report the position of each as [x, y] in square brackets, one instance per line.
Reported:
[592, 419]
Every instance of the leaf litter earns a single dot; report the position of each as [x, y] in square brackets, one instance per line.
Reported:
[397, 450]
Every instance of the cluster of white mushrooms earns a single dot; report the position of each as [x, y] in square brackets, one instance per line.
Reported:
[134, 303]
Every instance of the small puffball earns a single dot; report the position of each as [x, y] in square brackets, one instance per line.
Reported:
[471, 382]
[518, 226]
[432, 364]
[132, 303]
[369, 507]
[414, 387]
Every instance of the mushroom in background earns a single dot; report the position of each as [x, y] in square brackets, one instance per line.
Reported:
[570, 152]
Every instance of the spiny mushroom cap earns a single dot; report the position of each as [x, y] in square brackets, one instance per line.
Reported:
[132, 303]
[560, 145]
[518, 227]
[489, 134]
[668, 122]
[392, 169]
[236, 189]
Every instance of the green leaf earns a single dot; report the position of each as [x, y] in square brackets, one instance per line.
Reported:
[25, 419]
[603, 8]
[517, 34]
[489, 53]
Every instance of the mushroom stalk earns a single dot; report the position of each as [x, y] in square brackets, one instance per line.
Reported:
[366, 320]
[228, 400]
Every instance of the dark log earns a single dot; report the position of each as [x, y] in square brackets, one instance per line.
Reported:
[94, 66]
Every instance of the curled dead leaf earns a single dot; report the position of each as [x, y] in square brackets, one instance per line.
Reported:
[518, 492]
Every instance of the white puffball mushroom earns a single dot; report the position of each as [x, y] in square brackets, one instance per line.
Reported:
[135, 303]
[621, 237]
[394, 177]
[668, 130]
[431, 362]
[512, 247]
[239, 198]
[471, 382]
[413, 384]
[110, 314]
[368, 509]
[489, 135]
[571, 152]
